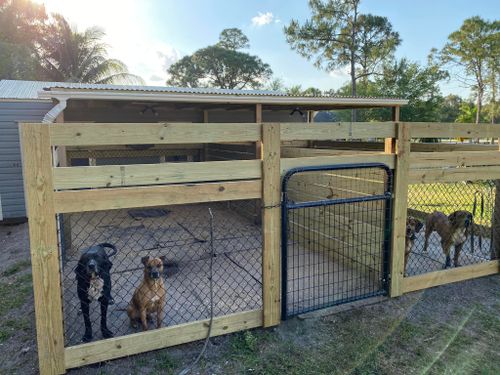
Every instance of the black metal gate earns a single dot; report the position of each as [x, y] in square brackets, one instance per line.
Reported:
[335, 235]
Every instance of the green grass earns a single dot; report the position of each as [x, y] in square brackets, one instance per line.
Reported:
[373, 343]
[15, 293]
[16, 267]
[11, 326]
[451, 197]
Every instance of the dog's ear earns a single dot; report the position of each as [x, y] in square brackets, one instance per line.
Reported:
[145, 260]
[163, 259]
[79, 268]
[452, 217]
[418, 226]
[107, 264]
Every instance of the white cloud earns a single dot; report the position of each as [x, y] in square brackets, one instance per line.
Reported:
[262, 19]
[340, 73]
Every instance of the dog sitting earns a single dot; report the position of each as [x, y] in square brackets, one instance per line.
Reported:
[94, 284]
[413, 226]
[452, 229]
[149, 297]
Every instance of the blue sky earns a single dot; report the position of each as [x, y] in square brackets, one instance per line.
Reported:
[149, 35]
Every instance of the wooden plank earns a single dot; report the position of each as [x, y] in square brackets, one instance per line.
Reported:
[390, 143]
[400, 205]
[442, 147]
[271, 224]
[289, 163]
[37, 163]
[85, 134]
[425, 176]
[453, 130]
[431, 279]
[150, 196]
[99, 351]
[155, 174]
[293, 152]
[453, 159]
[336, 130]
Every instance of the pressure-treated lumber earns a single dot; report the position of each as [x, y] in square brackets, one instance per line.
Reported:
[271, 224]
[425, 176]
[37, 164]
[85, 354]
[288, 163]
[336, 130]
[390, 143]
[85, 134]
[149, 196]
[453, 159]
[453, 130]
[452, 275]
[400, 205]
[155, 174]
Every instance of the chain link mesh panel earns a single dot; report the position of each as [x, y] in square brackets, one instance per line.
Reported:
[182, 235]
[425, 200]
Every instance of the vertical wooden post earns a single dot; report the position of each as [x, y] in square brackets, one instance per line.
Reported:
[271, 224]
[400, 206]
[258, 155]
[389, 147]
[37, 171]
[205, 146]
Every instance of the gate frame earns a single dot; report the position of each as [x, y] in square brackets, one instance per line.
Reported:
[285, 206]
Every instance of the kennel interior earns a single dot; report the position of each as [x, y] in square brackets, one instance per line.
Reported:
[476, 197]
[181, 233]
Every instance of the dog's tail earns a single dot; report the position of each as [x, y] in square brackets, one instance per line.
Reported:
[110, 246]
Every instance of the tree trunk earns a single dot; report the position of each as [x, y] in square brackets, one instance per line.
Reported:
[479, 104]
[495, 224]
[354, 115]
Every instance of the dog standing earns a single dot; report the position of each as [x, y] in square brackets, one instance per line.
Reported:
[452, 229]
[94, 283]
[149, 297]
[413, 226]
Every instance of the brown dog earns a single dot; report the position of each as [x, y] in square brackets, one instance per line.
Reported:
[413, 226]
[452, 229]
[149, 297]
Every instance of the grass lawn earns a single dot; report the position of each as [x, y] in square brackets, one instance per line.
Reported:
[449, 197]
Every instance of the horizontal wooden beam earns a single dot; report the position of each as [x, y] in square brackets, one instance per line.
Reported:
[451, 275]
[425, 176]
[337, 130]
[99, 351]
[453, 130]
[84, 134]
[150, 196]
[289, 163]
[154, 174]
[453, 159]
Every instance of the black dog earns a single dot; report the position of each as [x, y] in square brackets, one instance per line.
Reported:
[94, 283]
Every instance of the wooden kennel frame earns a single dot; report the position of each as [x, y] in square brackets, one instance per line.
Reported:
[129, 186]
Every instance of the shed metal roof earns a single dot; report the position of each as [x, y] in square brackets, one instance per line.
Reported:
[36, 90]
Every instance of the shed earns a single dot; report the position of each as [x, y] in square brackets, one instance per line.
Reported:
[35, 101]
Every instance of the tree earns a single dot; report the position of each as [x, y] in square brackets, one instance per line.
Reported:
[337, 36]
[70, 56]
[475, 47]
[450, 108]
[22, 27]
[221, 65]
[408, 80]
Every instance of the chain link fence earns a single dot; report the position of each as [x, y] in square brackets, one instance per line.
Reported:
[180, 235]
[439, 212]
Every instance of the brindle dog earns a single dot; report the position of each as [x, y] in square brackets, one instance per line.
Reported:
[453, 230]
[149, 297]
[413, 226]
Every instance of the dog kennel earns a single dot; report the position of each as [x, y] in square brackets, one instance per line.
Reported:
[143, 168]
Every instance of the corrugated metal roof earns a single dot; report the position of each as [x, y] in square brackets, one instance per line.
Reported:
[13, 89]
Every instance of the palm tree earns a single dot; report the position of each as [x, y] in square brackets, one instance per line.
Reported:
[67, 55]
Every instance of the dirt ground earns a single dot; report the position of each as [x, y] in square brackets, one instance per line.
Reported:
[452, 329]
